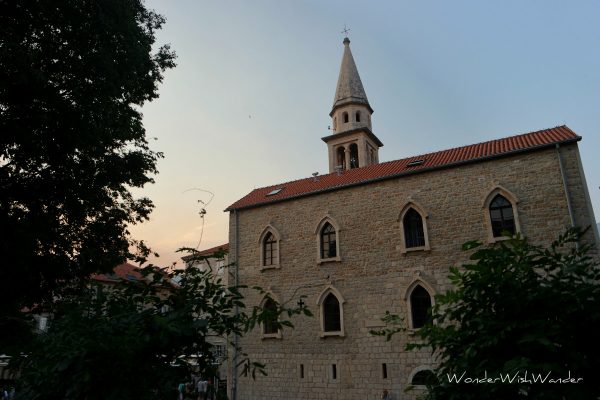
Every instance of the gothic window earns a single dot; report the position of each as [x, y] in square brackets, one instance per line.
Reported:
[328, 241]
[331, 314]
[270, 323]
[413, 229]
[420, 304]
[423, 378]
[353, 155]
[358, 116]
[501, 216]
[345, 116]
[269, 250]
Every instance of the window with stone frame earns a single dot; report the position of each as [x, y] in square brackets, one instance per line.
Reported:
[414, 235]
[269, 249]
[331, 314]
[328, 241]
[502, 216]
[270, 323]
[420, 305]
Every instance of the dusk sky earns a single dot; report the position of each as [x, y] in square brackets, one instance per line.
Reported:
[249, 101]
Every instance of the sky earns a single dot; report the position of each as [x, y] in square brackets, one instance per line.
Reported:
[249, 101]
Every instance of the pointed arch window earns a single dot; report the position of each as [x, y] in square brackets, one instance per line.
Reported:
[269, 245]
[413, 228]
[328, 241]
[331, 314]
[331, 310]
[420, 306]
[270, 326]
[502, 216]
[414, 235]
[270, 250]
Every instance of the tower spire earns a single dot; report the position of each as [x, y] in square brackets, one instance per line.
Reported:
[352, 144]
[349, 86]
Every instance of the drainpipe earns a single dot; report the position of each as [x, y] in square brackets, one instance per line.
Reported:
[564, 179]
[234, 374]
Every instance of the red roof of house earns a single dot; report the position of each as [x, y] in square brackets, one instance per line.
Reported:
[394, 169]
[207, 252]
[123, 271]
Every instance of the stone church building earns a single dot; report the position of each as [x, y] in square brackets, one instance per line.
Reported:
[374, 236]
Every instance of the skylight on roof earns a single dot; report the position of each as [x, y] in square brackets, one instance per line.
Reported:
[415, 163]
[274, 191]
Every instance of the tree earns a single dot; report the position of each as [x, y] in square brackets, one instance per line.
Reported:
[73, 76]
[139, 340]
[517, 309]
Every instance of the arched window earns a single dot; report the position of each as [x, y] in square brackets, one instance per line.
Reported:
[341, 158]
[270, 322]
[328, 241]
[413, 229]
[334, 123]
[423, 378]
[353, 156]
[420, 304]
[269, 250]
[502, 216]
[345, 116]
[358, 116]
[331, 314]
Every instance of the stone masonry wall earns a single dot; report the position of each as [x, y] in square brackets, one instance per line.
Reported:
[374, 275]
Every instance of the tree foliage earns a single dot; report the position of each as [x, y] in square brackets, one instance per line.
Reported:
[138, 340]
[517, 309]
[73, 76]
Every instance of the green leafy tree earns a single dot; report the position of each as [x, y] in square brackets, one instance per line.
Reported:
[516, 308]
[139, 340]
[73, 76]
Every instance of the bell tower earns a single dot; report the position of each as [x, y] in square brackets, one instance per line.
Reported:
[352, 143]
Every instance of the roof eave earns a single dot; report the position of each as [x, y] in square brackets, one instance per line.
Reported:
[351, 102]
[352, 131]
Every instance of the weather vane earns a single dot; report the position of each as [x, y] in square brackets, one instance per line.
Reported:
[346, 30]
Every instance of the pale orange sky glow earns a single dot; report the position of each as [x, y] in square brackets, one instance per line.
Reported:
[248, 103]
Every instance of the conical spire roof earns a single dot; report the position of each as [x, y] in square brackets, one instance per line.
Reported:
[349, 87]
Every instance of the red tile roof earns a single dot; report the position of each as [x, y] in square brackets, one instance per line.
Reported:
[207, 252]
[123, 271]
[394, 169]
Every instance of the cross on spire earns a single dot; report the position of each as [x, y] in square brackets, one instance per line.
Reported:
[345, 31]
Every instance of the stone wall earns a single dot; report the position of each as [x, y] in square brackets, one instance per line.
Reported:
[374, 274]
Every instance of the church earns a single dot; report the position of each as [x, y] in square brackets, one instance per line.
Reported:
[371, 236]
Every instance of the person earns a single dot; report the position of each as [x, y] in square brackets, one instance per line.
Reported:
[201, 387]
[386, 395]
[180, 391]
